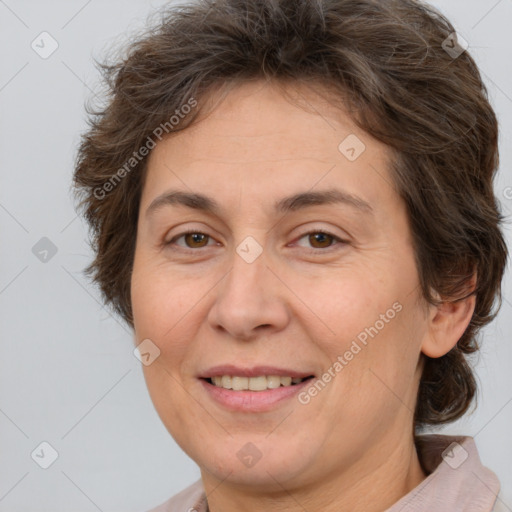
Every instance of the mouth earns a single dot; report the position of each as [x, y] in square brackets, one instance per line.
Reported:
[258, 383]
[253, 390]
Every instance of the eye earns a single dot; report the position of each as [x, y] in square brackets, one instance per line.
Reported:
[321, 239]
[196, 240]
[193, 240]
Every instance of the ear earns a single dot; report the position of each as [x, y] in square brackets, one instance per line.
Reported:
[447, 323]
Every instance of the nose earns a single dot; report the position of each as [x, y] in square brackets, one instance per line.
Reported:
[250, 301]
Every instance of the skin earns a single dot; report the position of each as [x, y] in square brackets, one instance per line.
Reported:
[299, 305]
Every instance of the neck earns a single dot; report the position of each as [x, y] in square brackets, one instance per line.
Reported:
[393, 474]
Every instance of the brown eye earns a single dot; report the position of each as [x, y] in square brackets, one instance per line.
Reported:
[196, 239]
[192, 239]
[320, 240]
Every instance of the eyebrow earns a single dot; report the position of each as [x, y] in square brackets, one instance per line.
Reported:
[291, 203]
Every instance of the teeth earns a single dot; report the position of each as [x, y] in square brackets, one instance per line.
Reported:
[260, 383]
[286, 381]
[240, 383]
[273, 382]
[257, 383]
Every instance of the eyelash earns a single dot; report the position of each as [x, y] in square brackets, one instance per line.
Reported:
[313, 232]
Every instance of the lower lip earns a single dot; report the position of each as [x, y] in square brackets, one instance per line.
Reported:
[253, 401]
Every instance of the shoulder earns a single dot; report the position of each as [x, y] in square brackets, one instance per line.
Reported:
[457, 480]
[190, 499]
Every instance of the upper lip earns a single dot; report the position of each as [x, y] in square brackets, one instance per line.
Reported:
[254, 371]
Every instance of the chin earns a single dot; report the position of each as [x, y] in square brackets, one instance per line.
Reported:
[242, 462]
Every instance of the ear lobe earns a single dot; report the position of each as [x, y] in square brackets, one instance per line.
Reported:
[447, 324]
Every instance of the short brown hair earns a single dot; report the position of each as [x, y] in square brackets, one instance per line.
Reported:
[388, 58]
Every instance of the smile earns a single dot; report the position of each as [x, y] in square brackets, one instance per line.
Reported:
[259, 383]
[253, 394]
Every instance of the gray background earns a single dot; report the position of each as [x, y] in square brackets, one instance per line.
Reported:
[68, 375]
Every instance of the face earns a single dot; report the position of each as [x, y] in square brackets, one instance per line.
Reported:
[322, 288]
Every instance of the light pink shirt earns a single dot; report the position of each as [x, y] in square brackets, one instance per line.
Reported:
[457, 481]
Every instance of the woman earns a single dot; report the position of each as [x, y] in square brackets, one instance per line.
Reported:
[292, 206]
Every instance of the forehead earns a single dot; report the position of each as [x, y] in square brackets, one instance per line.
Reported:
[260, 136]
[272, 119]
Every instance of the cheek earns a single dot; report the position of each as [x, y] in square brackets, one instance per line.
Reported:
[376, 333]
[375, 382]
[351, 304]
[169, 309]
[387, 366]
[162, 302]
